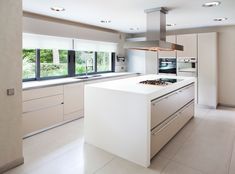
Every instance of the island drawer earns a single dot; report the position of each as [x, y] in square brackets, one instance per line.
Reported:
[164, 132]
[164, 107]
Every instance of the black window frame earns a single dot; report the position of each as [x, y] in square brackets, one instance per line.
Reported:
[71, 67]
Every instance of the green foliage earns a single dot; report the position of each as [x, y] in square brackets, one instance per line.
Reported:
[29, 55]
[46, 56]
[103, 61]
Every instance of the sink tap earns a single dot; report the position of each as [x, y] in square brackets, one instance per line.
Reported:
[90, 59]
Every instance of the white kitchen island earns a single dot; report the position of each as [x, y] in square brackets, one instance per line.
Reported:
[134, 121]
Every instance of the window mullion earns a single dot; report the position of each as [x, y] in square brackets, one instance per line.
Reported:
[71, 63]
[38, 64]
[95, 62]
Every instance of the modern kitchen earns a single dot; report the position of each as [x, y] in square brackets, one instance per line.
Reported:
[149, 90]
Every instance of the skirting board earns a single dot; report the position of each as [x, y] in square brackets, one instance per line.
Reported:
[226, 105]
[206, 107]
[11, 165]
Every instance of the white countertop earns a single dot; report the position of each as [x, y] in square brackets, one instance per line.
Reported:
[132, 85]
[68, 80]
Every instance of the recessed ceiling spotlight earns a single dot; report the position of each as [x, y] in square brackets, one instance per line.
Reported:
[105, 21]
[170, 25]
[57, 9]
[211, 4]
[134, 29]
[220, 19]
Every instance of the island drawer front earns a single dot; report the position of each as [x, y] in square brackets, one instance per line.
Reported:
[161, 109]
[160, 137]
[42, 92]
[46, 102]
[41, 119]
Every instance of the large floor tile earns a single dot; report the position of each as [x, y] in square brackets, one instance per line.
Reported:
[121, 166]
[206, 157]
[176, 168]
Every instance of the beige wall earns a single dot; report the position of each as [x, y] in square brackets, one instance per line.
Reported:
[226, 60]
[10, 75]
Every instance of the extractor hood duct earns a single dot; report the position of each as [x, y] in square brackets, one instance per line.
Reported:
[156, 33]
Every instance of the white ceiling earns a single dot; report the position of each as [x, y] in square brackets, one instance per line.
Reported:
[126, 14]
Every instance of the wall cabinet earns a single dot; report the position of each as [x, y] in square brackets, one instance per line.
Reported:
[189, 41]
[168, 54]
[207, 69]
[73, 101]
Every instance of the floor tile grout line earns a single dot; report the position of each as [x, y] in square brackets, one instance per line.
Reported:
[104, 165]
[168, 163]
[203, 172]
[231, 155]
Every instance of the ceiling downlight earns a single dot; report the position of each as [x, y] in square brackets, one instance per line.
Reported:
[211, 4]
[220, 19]
[105, 21]
[170, 25]
[58, 9]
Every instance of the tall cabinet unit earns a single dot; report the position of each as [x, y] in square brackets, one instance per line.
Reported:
[207, 70]
[189, 41]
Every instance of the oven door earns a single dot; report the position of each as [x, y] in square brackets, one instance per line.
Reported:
[167, 65]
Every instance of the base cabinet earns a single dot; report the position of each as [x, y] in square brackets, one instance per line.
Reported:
[73, 101]
[41, 119]
[46, 107]
[161, 135]
[160, 109]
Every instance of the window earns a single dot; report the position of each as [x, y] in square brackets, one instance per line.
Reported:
[83, 60]
[104, 61]
[53, 63]
[48, 57]
[29, 63]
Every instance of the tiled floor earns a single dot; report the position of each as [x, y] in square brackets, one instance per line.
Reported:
[204, 146]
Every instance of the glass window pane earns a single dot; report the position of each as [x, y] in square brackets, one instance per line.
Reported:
[84, 59]
[104, 61]
[29, 63]
[53, 62]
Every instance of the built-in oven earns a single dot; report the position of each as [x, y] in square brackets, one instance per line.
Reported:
[167, 65]
[187, 66]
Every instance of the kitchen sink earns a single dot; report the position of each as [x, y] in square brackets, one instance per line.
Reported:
[88, 77]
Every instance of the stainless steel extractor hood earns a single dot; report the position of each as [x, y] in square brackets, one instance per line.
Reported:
[156, 33]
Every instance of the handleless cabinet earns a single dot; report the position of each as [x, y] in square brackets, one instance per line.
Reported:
[189, 41]
[207, 69]
[164, 107]
[73, 101]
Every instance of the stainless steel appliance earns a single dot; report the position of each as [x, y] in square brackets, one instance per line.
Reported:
[167, 65]
[187, 66]
[156, 33]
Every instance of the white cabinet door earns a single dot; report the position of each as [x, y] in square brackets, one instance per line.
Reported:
[168, 54]
[189, 41]
[41, 119]
[73, 100]
[207, 69]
